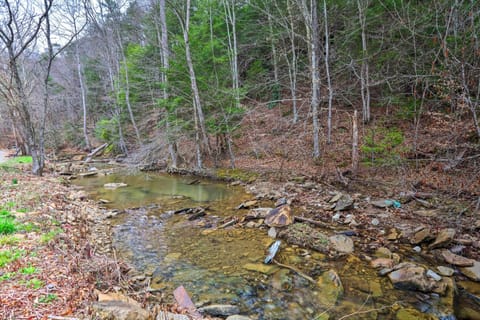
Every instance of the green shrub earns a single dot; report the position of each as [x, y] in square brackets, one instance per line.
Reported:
[28, 270]
[382, 146]
[7, 256]
[7, 224]
[34, 283]
[48, 298]
[49, 236]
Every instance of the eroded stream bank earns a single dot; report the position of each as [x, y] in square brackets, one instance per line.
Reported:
[224, 265]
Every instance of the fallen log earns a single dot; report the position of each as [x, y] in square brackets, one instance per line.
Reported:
[95, 152]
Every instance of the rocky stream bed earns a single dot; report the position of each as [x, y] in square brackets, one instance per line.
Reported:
[410, 255]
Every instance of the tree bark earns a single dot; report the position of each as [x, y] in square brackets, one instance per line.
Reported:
[327, 70]
[355, 157]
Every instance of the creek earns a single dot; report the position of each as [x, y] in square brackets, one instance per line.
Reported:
[225, 266]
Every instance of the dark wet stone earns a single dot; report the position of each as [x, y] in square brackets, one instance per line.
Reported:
[223, 310]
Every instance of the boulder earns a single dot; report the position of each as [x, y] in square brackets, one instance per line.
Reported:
[279, 217]
[119, 310]
[341, 243]
[412, 278]
[444, 237]
[222, 310]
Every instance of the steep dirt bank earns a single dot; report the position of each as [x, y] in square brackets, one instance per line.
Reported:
[52, 261]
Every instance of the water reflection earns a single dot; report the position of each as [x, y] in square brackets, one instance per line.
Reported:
[144, 188]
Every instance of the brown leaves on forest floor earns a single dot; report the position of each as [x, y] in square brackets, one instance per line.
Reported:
[446, 159]
[48, 271]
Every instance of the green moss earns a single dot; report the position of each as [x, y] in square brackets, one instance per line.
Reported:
[236, 174]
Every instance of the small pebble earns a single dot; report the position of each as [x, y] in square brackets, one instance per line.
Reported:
[417, 249]
[375, 222]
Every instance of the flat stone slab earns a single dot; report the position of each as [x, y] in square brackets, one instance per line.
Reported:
[260, 267]
[473, 272]
[456, 260]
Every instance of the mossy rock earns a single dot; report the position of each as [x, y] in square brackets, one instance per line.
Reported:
[305, 236]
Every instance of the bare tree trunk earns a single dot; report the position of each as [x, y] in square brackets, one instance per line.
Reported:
[355, 156]
[364, 74]
[201, 131]
[292, 65]
[327, 70]
[230, 17]
[312, 18]
[165, 58]
[84, 100]
[127, 88]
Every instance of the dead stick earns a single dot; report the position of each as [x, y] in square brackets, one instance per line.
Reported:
[300, 273]
[314, 222]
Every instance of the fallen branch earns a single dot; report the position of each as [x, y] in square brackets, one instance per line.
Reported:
[61, 318]
[314, 222]
[95, 152]
[300, 273]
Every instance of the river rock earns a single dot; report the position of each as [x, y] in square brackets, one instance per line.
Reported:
[280, 217]
[331, 288]
[344, 203]
[222, 310]
[421, 236]
[383, 203]
[456, 260]
[443, 238]
[382, 263]
[411, 278]
[272, 232]
[119, 310]
[237, 317]
[473, 272]
[445, 271]
[260, 267]
[341, 243]
[114, 296]
[432, 274]
[247, 204]
[114, 185]
[164, 315]
[281, 280]
[383, 252]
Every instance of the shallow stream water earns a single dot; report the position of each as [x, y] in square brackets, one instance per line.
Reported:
[222, 266]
